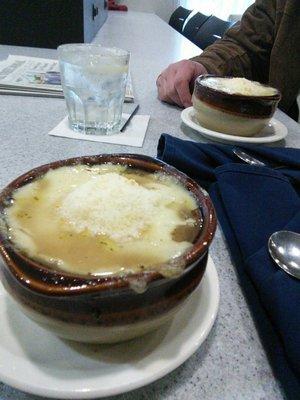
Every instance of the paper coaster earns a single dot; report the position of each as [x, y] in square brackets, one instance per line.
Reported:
[133, 135]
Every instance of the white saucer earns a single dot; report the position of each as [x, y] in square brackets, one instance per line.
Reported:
[37, 362]
[273, 132]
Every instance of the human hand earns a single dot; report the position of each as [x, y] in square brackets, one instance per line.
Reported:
[174, 83]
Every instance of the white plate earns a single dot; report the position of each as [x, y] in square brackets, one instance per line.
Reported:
[273, 132]
[37, 362]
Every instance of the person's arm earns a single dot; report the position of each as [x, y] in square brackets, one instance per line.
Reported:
[244, 51]
[246, 48]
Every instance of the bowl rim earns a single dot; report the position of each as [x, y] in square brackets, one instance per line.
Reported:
[236, 96]
[29, 272]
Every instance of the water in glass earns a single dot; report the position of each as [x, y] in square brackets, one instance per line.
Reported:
[94, 85]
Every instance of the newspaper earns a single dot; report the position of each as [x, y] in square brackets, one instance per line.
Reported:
[32, 76]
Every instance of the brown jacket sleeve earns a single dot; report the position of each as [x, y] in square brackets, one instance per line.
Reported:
[245, 49]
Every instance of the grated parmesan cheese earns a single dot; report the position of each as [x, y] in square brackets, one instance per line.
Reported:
[111, 205]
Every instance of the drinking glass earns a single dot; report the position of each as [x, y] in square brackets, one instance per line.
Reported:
[94, 82]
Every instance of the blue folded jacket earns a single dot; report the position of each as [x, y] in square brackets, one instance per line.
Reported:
[251, 203]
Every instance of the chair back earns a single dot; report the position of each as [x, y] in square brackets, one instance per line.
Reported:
[212, 29]
[178, 18]
[193, 24]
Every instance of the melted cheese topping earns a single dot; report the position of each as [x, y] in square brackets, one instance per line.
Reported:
[102, 220]
[238, 86]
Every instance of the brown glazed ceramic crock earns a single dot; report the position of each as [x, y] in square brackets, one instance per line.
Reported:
[102, 309]
[234, 114]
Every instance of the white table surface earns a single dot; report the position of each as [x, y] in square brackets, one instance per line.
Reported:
[232, 363]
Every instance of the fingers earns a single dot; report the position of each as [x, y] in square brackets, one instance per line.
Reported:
[167, 91]
[173, 83]
[182, 87]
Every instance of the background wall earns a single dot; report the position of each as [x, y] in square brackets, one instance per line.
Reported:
[219, 8]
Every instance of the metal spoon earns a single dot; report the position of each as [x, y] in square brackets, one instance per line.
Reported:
[247, 158]
[252, 160]
[284, 248]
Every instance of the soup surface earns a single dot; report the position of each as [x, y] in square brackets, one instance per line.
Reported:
[238, 86]
[104, 219]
